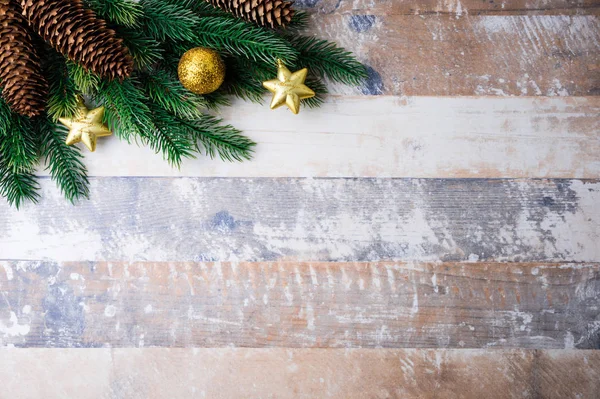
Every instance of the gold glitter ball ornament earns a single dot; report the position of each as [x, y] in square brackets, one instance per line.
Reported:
[201, 70]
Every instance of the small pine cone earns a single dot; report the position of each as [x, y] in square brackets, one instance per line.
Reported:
[24, 88]
[80, 35]
[269, 13]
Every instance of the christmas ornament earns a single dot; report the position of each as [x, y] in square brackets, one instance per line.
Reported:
[288, 88]
[201, 70]
[86, 126]
[269, 13]
[23, 86]
[151, 107]
[80, 35]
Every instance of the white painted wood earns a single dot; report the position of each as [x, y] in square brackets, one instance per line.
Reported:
[394, 137]
[153, 373]
[267, 219]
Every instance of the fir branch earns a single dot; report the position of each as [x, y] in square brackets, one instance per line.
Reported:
[18, 157]
[320, 90]
[241, 80]
[325, 59]
[213, 139]
[126, 112]
[16, 187]
[86, 82]
[216, 99]
[169, 138]
[62, 101]
[299, 21]
[122, 12]
[164, 89]
[144, 50]
[243, 39]
[164, 21]
[64, 162]
[201, 8]
[20, 143]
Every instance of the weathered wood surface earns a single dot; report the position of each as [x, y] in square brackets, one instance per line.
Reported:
[224, 219]
[455, 8]
[284, 373]
[433, 55]
[325, 305]
[410, 137]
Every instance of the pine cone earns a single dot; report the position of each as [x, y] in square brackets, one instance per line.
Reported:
[80, 35]
[270, 13]
[24, 87]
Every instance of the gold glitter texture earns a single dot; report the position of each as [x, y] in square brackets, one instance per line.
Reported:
[201, 70]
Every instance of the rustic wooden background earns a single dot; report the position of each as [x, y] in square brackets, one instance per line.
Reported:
[432, 234]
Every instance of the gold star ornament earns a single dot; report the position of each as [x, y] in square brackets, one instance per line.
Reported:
[288, 88]
[86, 126]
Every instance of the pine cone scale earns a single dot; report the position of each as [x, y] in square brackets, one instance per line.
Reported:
[268, 13]
[79, 34]
[24, 88]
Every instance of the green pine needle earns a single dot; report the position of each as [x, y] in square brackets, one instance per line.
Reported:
[212, 138]
[126, 111]
[17, 187]
[144, 50]
[320, 90]
[164, 89]
[299, 21]
[18, 158]
[169, 21]
[325, 59]
[86, 82]
[64, 162]
[174, 143]
[122, 12]
[241, 80]
[243, 39]
[62, 99]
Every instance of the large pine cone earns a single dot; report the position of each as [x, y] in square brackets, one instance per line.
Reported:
[269, 13]
[80, 35]
[24, 87]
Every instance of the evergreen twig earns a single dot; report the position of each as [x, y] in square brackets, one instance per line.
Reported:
[18, 158]
[164, 89]
[86, 82]
[64, 162]
[126, 111]
[325, 59]
[62, 101]
[122, 12]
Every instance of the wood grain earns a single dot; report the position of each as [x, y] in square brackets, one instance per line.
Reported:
[410, 137]
[455, 8]
[223, 219]
[285, 373]
[324, 305]
[476, 55]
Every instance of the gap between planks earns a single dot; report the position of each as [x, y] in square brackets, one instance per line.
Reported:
[287, 373]
[316, 305]
[429, 137]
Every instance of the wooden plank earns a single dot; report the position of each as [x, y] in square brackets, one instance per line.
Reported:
[284, 373]
[412, 137]
[476, 55]
[223, 219]
[383, 304]
[455, 8]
